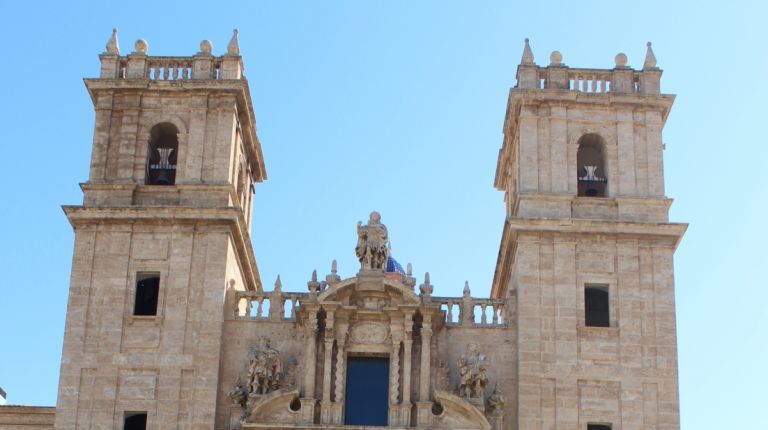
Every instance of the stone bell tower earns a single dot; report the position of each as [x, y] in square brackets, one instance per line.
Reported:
[161, 235]
[587, 247]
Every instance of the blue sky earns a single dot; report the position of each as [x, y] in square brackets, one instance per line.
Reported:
[398, 106]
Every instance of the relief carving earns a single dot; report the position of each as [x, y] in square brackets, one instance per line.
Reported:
[368, 333]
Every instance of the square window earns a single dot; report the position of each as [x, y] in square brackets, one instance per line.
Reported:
[147, 293]
[135, 421]
[596, 306]
[591, 426]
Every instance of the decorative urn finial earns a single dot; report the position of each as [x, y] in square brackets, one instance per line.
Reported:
[650, 58]
[621, 60]
[556, 58]
[233, 48]
[527, 59]
[466, 291]
[140, 47]
[113, 47]
[206, 47]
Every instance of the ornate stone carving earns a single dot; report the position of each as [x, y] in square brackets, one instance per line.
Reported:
[442, 375]
[472, 372]
[497, 401]
[372, 244]
[238, 395]
[265, 368]
[368, 333]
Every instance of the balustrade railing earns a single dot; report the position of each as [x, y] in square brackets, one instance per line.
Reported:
[472, 311]
[589, 80]
[171, 68]
[254, 305]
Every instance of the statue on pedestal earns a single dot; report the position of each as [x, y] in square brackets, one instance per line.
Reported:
[372, 244]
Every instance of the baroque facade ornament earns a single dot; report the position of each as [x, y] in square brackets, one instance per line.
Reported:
[265, 368]
[473, 377]
[368, 333]
[372, 244]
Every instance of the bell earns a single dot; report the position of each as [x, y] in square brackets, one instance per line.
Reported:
[163, 177]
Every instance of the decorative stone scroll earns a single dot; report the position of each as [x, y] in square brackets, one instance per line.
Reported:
[472, 372]
[372, 244]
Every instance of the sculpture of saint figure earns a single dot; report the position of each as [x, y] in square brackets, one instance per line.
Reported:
[372, 243]
[265, 368]
[472, 371]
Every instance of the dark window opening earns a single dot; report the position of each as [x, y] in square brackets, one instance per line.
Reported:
[598, 427]
[367, 394]
[590, 161]
[162, 155]
[147, 293]
[596, 306]
[135, 421]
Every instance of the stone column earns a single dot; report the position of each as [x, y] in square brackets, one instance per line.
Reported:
[405, 413]
[425, 371]
[328, 338]
[337, 417]
[394, 377]
[310, 353]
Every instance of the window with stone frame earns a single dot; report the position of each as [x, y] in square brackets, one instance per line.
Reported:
[147, 293]
[596, 306]
[135, 421]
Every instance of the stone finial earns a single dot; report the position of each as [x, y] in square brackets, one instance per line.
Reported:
[113, 47]
[621, 60]
[278, 285]
[556, 58]
[650, 58]
[409, 269]
[466, 291]
[206, 47]
[233, 48]
[140, 47]
[313, 285]
[527, 59]
[333, 278]
[426, 288]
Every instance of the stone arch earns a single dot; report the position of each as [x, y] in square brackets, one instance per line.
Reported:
[144, 136]
[591, 166]
[162, 154]
[458, 412]
[275, 408]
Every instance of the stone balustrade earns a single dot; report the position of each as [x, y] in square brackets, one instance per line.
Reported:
[463, 311]
[275, 306]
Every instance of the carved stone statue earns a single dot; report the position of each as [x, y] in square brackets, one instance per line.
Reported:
[497, 401]
[238, 395]
[372, 243]
[472, 372]
[265, 368]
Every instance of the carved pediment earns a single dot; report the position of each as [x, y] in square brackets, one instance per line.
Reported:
[370, 292]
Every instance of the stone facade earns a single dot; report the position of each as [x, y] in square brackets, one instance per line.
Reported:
[168, 199]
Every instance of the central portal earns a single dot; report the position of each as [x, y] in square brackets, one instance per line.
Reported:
[367, 394]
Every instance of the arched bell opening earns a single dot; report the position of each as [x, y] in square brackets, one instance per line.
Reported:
[590, 161]
[162, 154]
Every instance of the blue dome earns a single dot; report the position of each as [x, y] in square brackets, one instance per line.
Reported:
[394, 267]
